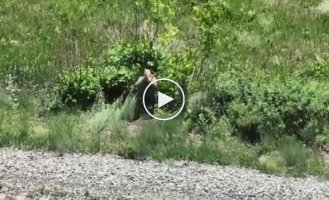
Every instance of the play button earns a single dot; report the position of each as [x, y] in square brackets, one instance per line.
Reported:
[164, 101]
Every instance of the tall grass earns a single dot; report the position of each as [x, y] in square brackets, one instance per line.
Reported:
[294, 153]
[128, 108]
[62, 135]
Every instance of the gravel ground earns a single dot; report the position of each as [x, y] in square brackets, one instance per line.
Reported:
[73, 176]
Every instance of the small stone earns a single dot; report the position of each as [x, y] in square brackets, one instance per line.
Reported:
[3, 196]
[20, 197]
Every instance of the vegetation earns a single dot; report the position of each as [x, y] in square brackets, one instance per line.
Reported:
[255, 74]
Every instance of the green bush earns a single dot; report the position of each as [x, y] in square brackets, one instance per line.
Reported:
[128, 60]
[116, 82]
[317, 70]
[257, 106]
[135, 56]
[200, 116]
[176, 67]
[125, 63]
[79, 88]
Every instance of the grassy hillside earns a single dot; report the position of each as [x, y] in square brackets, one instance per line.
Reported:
[255, 73]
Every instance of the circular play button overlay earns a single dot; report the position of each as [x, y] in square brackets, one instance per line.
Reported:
[164, 100]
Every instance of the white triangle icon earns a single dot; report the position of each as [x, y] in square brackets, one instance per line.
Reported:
[163, 99]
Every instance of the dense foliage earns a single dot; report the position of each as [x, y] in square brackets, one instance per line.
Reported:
[79, 88]
[254, 73]
[258, 106]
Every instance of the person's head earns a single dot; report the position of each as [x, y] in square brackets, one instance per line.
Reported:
[149, 71]
[149, 74]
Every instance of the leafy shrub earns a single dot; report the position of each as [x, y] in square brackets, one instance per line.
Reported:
[79, 88]
[126, 62]
[176, 67]
[202, 117]
[211, 16]
[257, 106]
[317, 70]
[134, 56]
[49, 101]
[116, 81]
[208, 17]
[130, 59]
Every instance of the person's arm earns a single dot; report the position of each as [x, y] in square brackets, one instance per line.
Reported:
[133, 87]
[154, 79]
[139, 80]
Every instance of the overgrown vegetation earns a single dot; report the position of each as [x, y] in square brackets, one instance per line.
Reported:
[255, 74]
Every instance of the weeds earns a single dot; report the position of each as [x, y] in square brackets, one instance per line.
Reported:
[128, 108]
[62, 135]
[294, 153]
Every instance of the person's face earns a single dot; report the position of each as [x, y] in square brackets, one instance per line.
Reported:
[148, 74]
